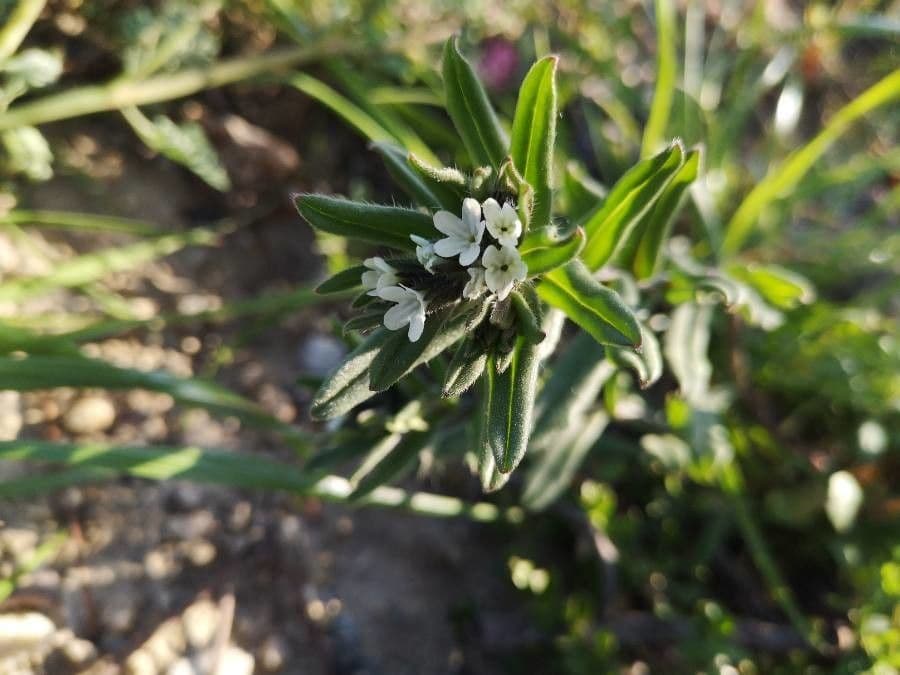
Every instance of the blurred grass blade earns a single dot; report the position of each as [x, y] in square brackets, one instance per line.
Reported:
[780, 286]
[781, 180]
[35, 560]
[94, 266]
[666, 67]
[469, 108]
[15, 339]
[237, 470]
[46, 372]
[653, 234]
[596, 308]
[629, 200]
[534, 135]
[384, 225]
[555, 467]
[79, 221]
[18, 23]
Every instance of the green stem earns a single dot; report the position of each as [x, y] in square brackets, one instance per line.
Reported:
[17, 26]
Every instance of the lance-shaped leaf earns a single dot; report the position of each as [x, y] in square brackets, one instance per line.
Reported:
[686, 347]
[780, 286]
[544, 259]
[491, 479]
[647, 363]
[629, 200]
[345, 280]
[534, 135]
[552, 473]
[446, 183]
[510, 399]
[642, 255]
[576, 380]
[582, 193]
[599, 310]
[465, 368]
[471, 111]
[398, 357]
[395, 159]
[348, 385]
[386, 462]
[383, 225]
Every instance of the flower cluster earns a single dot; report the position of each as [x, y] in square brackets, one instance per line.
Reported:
[492, 264]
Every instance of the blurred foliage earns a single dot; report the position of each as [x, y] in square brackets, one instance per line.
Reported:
[740, 515]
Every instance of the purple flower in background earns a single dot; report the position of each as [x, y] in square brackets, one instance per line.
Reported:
[499, 63]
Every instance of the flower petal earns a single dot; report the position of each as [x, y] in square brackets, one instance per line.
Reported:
[471, 214]
[393, 293]
[396, 317]
[449, 247]
[469, 255]
[450, 224]
[491, 211]
[416, 326]
[491, 257]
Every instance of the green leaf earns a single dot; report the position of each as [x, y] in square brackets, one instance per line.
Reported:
[471, 111]
[406, 177]
[399, 357]
[528, 316]
[653, 233]
[534, 135]
[781, 180]
[510, 400]
[15, 339]
[575, 382]
[27, 153]
[780, 286]
[348, 385]
[542, 260]
[555, 467]
[185, 144]
[465, 368]
[647, 362]
[582, 193]
[384, 225]
[387, 461]
[686, 347]
[599, 310]
[447, 184]
[345, 280]
[666, 69]
[46, 372]
[629, 200]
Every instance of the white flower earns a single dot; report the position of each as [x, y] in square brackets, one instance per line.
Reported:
[475, 286]
[425, 252]
[409, 309]
[380, 275]
[463, 235]
[503, 224]
[503, 267]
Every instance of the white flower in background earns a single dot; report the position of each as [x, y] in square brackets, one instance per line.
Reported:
[503, 267]
[380, 275]
[425, 252]
[475, 286]
[503, 224]
[463, 235]
[409, 309]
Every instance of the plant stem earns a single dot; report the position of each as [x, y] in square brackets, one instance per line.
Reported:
[17, 26]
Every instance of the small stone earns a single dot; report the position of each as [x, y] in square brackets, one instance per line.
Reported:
[273, 653]
[90, 414]
[26, 632]
[200, 622]
[11, 419]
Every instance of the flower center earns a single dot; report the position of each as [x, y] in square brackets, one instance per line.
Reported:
[504, 268]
